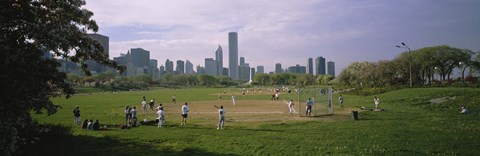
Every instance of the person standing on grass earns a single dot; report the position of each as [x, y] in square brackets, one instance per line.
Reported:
[185, 111]
[234, 99]
[161, 117]
[221, 118]
[76, 115]
[144, 106]
[309, 107]
[377, 102]
[151, 104]
[340, 100]
[134, 115]
[126, 114]
[174, 99]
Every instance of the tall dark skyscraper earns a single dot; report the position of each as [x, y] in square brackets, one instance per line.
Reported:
[168, 66]
[140, 57]
[233, 55]
[310, 66]
[278, 68]
[104, 42]
[331, 68]
[219, 59]
[320, 66]
[180, 68]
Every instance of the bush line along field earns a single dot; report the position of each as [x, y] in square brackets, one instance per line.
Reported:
[421, 121]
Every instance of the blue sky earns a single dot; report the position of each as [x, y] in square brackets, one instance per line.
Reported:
[286, 31]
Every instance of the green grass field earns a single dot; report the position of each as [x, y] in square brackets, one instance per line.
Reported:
[422, 121]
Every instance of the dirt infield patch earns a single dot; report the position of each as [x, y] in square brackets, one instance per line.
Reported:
[244, 113]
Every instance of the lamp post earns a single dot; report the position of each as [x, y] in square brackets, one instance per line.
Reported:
[409, 59]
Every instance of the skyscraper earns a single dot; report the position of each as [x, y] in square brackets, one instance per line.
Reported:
[242, 61]
[331, 68]
[320, 66]
[297, 69]
[168, 66]
[104, 42]
[219, 59]
[189, 67]
[210, 66]
[260, 70]
[180, 68]
[233, 55]
[161, 71]
[310, 66]
[244, 72]
[154, 68]
[252, 74]
[140, 57]
[278, 68]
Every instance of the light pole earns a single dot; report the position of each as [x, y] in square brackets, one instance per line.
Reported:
[409, 59]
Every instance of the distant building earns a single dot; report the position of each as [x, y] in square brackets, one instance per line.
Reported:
[320, 66]
[297, 69]
[189, 67]
[310, 66]
[211, 67]
[161, 71]
[154, 69]
[140, 57]
[331, 68]
[168, 66]
[200, 70]
[244, 72]
[94, 66]
[219, 59]
[278, 68]
[233, 55]
[121, 61]
[242, 61]
[252, 73]
[225, 71]
[180, 68]
[260, 70]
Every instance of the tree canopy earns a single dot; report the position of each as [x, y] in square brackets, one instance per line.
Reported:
[28, 30]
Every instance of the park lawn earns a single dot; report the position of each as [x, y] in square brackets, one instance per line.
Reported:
[410, 125]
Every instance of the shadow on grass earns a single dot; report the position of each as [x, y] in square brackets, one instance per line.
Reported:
[59, 141]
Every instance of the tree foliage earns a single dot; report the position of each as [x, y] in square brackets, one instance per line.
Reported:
[28, 29]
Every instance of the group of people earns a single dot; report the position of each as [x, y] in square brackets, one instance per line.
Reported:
[131, 115]
[90, 125]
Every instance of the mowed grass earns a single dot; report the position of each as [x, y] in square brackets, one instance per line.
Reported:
[421, 121]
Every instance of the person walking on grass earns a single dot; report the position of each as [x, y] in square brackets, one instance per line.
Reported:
[221, 118]
[340, 100]
[76, 115]
[309, 107]
[377, 102]
[290, 106]
[185, 111]
[144, 106]
[161, 117]
[234, 99]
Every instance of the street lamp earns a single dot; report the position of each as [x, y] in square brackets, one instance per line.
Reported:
[409, 59]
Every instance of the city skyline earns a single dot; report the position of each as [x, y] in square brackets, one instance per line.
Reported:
[289, 31]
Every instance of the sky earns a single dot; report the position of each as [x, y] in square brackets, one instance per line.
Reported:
[286, 31]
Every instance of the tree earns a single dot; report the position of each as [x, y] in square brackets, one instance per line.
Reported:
[28, 29]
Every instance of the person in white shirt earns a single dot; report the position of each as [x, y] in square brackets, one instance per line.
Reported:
[377, 102]
[161, 117]
[144, 106]
[221, 118]
[185, 110]
[290, 106]
[134, 115]
[233, 100]
[174, 99]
